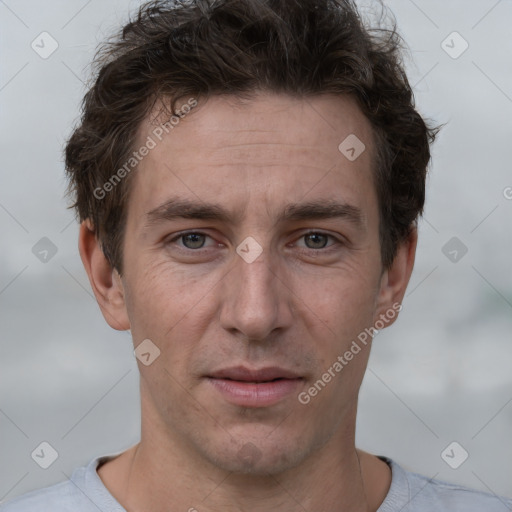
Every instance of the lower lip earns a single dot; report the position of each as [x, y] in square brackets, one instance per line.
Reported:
[251, 394]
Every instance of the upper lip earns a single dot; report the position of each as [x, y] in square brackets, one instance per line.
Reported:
[241, 373]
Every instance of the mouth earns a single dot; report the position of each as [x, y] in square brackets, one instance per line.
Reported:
[254, 388]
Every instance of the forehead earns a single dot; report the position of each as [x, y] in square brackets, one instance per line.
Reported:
[259, 153]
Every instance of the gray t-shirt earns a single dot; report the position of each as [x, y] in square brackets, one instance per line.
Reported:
[409, 492]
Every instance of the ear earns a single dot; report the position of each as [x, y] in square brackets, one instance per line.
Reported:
[105, 280]
[395, 279]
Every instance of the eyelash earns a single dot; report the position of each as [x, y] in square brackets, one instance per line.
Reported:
[326, 249]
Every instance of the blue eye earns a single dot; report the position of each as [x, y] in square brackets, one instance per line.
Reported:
[192, 240]
[319, 240]
[314, 241]
[195, 239]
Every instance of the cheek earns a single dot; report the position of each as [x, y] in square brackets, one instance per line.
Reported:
[151, 299]
[164, 301]
[342, 343]
[342, 298]
[343, 308]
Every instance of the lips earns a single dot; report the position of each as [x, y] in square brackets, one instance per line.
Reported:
[243, 374]
[254, 388]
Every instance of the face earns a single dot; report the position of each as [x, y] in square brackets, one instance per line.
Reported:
[272, 271]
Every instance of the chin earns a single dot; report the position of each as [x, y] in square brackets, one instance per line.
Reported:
[257, 462]
[257, 456]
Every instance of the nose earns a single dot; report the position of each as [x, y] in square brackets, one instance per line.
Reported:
[255, 299]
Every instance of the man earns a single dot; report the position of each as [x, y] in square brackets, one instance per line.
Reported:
[248, 176]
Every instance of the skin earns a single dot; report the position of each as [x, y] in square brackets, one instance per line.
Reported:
[299, 305]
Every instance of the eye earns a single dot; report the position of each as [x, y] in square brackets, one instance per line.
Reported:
[315, 240]
[318, 240]
[196, 240]
[191, 240]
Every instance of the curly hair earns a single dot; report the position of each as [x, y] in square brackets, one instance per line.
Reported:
[174, 49]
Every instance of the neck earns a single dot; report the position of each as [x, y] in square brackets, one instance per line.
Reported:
[162, 473]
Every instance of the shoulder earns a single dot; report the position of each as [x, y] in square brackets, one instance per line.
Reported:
[82, 492]
[443, 495]
[419, 493]
[58, 498]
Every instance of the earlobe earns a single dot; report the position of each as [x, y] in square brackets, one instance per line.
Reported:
[105, 280]
[395, 279]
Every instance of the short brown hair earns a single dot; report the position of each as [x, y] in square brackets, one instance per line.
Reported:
[174, 49]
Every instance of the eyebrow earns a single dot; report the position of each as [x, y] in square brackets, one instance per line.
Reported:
[179, 208]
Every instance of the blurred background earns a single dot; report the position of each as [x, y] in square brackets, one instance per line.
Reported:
[441, 375]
